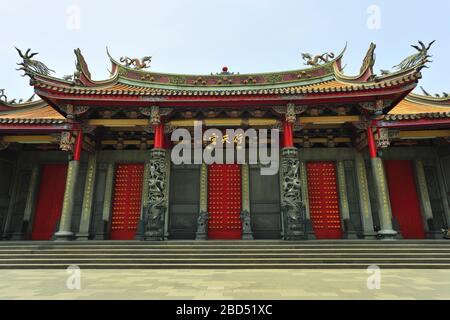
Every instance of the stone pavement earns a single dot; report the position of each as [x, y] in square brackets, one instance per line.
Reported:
[224, 284]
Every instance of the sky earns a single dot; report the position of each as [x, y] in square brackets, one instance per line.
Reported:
[202, 36]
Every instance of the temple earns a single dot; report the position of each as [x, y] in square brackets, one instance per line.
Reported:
[361, 157]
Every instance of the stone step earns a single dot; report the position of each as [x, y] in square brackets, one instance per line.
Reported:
[227, 266]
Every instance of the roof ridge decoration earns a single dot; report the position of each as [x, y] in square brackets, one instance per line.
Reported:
[366, 71]
[82, 72]
[321, 66]
[419, 59]
[136, 63]
[32, 67]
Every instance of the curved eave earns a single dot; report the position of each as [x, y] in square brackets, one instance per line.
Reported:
[435, 101]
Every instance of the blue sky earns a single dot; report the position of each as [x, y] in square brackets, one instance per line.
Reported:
[201, 36]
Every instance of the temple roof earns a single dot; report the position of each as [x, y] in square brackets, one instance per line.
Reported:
[416, 106]
[33, 112]
[323, 76]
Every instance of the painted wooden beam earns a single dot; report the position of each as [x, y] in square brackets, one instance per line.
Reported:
[118, 122]
[424, 134]
[125, 142]
[329, 119]
[30, 139]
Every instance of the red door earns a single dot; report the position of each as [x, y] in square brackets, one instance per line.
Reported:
[224, 202]
[323, 200]
[404, 199]
[50, 201]
[126, 210]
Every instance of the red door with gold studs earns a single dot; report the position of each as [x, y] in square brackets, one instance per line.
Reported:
[404, 199]
[324, 200]
[126, 210]
[50, 201]
[224, 202]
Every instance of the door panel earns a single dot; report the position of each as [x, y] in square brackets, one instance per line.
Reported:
[404, 199]
[324, 200]
[265, 205]
[184, 202]
[224, 202]
[50, 201]
[127, 201]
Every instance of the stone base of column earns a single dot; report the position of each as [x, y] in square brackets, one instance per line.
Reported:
[310, 234]
[387, 235]
[82, 236]
[349, 230]
[64, 236]
[104, 235]
[367, 235]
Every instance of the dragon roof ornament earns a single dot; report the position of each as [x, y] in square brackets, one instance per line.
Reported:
[30, 66]
[419, 59]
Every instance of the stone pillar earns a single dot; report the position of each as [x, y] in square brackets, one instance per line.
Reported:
[433, 231]
[444, 194]
[247, 233]
[154, 214]
[65, 225]
[364, 198]
[349, 230]
[31, 202]
[107, 202]
[305, 196]
[381, 188]
[292, 206]
[203, 217]
[88, 199]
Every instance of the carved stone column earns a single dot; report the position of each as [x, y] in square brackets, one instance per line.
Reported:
[387, 231]
[30, 205]
[202, 221]
[155, 212]
[364, 198]
[247, 232]
[107, 202]
[88, 199]
[349, 230]
[292, 206]
[65, 225]
[425, 202]
[305, 196]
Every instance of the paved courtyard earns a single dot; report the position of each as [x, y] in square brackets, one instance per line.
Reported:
[223, 284]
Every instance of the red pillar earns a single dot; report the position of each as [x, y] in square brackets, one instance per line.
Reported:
[159, 136]
[371, 143]
[78, 146]
[288, 136]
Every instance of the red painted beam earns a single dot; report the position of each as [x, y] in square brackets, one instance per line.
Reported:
[288, 136]
[78, 146]
[371, 143]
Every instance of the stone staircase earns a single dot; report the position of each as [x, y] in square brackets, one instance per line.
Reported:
[226, 255]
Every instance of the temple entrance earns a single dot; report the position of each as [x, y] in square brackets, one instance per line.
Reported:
[184, 201]
[404, 199]
[50, 201]
[324, 200]
[224, 202]
[127, 200]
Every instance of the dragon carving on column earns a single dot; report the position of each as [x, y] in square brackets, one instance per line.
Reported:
[291, 202]
[155, 211]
